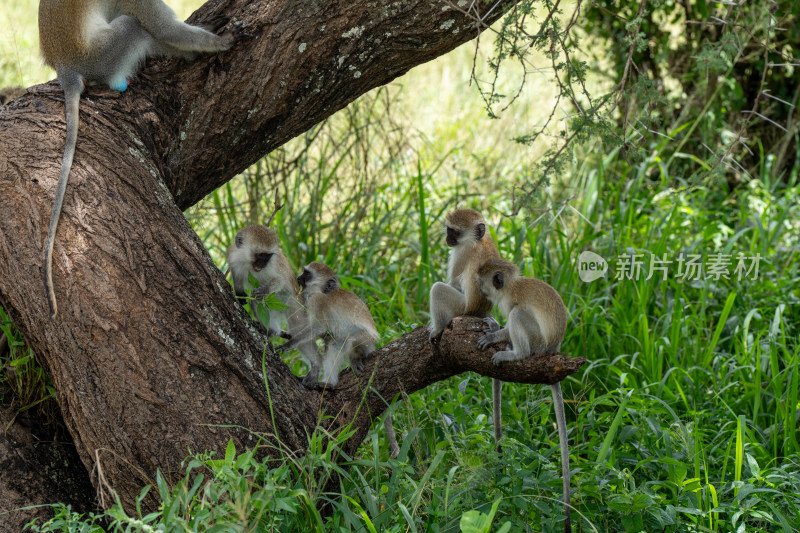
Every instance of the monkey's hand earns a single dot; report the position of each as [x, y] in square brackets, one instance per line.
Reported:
[260, 292]
[357, 367]
[492, 323]
[238, 32]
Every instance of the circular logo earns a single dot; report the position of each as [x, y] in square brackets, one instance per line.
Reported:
[591, 266]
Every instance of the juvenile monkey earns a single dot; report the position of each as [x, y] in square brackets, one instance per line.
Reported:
[337, 316]
[470, 248]
[105, 41]
[345, 324]
[256, 250]
[536, 319]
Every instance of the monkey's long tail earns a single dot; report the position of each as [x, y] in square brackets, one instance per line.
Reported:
[497, 412]
[558, 402]
[394, 449]
[73, 86]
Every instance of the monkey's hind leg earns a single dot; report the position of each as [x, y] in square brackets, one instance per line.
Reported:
[330, 364]
[159, 19]
[446, 302]
[523, 332]
[310, 353]
[117, 51]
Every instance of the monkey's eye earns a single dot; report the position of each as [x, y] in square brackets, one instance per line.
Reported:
[261, 261]
[239, 240]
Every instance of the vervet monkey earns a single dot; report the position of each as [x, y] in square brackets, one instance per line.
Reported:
[536, 320]
[105, 41]
[256, 250]
[337, 316]
[344, 322]
[470, 247]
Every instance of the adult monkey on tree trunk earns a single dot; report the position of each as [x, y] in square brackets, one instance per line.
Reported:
[105, 41]
[149, 339]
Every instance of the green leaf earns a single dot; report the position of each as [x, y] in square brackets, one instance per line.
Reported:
[474, 522]
[274, 303]
[262, 311]
[230, 452]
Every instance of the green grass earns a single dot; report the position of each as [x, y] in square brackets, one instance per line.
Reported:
[684, 418]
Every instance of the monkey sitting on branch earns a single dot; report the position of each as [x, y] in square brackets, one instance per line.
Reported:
[470, 247]
[256, 252]
[536, 320]
[346, 326]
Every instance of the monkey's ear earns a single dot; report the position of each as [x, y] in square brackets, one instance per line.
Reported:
[329, 286]
[239, 240]
[480, 231]
[497, 280]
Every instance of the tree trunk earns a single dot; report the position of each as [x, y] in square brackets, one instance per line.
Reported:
[150, 355]
[38, 465]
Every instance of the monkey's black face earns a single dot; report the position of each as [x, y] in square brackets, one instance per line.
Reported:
[452, 236]
[304, 278]
[261, 261]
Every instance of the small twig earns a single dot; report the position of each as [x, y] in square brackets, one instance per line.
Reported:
[278, 207]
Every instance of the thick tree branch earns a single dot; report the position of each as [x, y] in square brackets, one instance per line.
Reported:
[307, 60]
[410, 363]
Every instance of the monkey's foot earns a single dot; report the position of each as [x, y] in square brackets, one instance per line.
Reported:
[434, 336]
[327, 385]
[310, 382]
[500, 357]
[486, 340]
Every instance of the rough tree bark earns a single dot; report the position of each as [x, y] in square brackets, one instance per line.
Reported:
[150, 354]
[38, 466]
